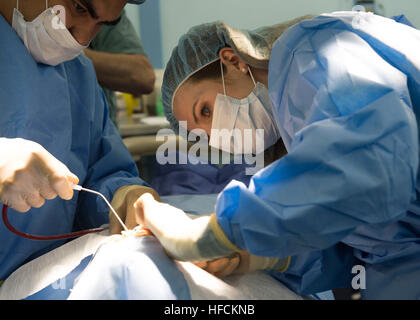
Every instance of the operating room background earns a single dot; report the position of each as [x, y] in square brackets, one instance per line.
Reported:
[160, 23]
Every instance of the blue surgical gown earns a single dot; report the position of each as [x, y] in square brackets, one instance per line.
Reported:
[346, 96]
[63, 109]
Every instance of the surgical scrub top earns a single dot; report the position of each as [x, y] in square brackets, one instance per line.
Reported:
[121, 38]
[63, 109]
[343, 203]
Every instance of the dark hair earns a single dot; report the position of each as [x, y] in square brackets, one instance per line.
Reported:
[209, 72]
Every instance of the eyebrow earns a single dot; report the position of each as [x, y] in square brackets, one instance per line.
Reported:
[194, 111]
[94, 15]
[90, 9]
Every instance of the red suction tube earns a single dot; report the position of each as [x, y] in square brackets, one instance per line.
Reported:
[45, 238]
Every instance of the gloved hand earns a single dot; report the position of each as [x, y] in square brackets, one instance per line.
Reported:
[29, 175]
[221, 267]
[123, 203]
[199, 239]
[182, 237]
[242, 262]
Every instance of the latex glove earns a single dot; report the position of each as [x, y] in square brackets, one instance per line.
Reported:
[182, 237]
[242, 262]
[199, 239]
[29, 175]
[221, 267]
[123, 203]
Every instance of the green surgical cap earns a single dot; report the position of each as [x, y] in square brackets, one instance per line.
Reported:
[200, 46]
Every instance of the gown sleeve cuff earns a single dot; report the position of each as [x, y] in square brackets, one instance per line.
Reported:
[267, 263]
[211, 243]
[282, 265]
[220, 234]
[256, 262]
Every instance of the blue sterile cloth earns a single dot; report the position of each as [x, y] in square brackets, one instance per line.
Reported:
[134, 268]
[61, 288]
[131, 269]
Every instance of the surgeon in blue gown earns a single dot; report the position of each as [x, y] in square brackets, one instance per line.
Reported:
[55, 129]
[341, 209]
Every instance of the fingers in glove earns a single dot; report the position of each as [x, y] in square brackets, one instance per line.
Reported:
[18, 203]
[144, 203]
[142, 232]
[230, 268]
[57, 175]
[34, 200]
[201, 264]
[62, 183]
[221, 267]
[47, 192]
[12, 194]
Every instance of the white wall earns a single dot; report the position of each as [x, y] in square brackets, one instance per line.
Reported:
[177, 16]
[133, 14]
[410, 8]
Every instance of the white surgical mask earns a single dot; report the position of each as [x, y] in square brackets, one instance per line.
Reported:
[46, 38]
[250, 121]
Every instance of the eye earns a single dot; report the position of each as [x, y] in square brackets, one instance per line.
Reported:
[205, 111]
[79, 8]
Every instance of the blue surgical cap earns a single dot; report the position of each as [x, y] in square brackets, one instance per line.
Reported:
[200, 46]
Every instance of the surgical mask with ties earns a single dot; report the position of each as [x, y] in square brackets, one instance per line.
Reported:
[243, 126]
[46, 38]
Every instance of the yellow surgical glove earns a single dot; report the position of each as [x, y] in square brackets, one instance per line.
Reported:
[242, 262]
[221, 267]
[123, 201]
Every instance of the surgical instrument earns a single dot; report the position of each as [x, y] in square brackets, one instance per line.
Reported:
[67, 235]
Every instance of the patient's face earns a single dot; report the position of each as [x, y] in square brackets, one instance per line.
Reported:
[194, 100]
